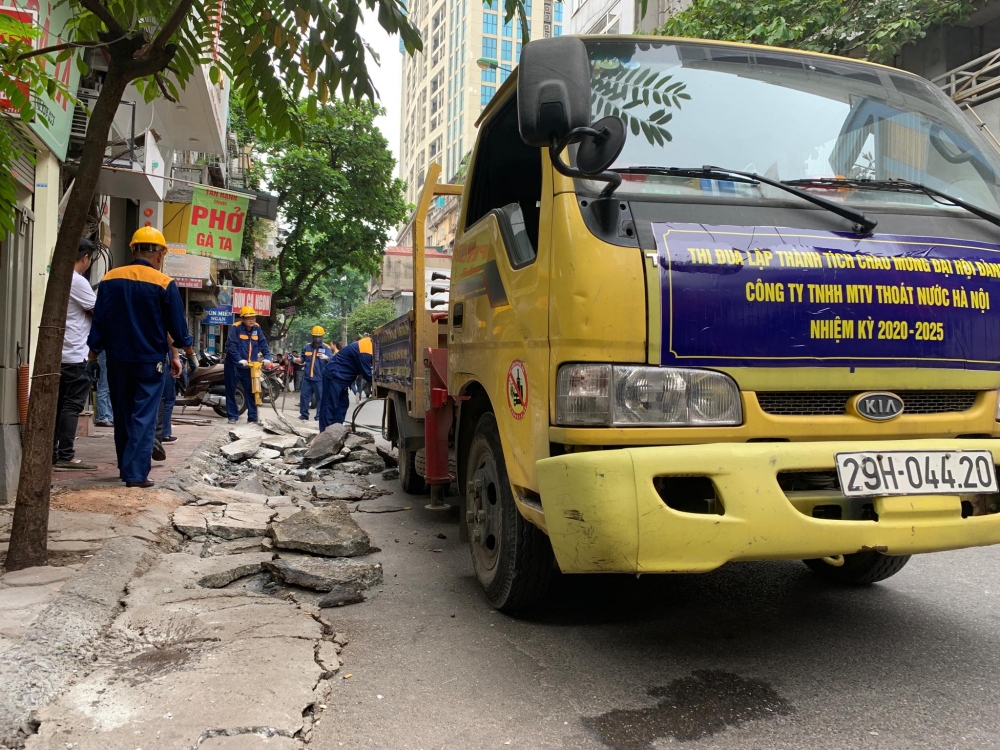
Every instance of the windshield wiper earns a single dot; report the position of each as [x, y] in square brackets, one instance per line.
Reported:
[862, 222]
[898, 185]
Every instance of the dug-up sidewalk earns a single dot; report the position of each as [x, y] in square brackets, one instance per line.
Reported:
[217, 630]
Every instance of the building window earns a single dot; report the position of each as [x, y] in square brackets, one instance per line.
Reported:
[527, 8]
[489, 76]
[557, 31]
[490, 48]
[503, 74]
[489, 23]
[558, 12]
[485, 94]
[519, 52]
[508, 28]
[505, 49]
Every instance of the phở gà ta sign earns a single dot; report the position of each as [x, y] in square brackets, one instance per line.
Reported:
[217, 220]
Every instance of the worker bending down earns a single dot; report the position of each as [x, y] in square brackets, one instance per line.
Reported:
[353, 360]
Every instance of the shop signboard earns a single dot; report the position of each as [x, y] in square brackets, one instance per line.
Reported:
[218, 316]
[217, 219]
[258, 299]
[53, 115]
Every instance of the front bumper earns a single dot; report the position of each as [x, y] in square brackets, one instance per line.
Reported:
[603, 513]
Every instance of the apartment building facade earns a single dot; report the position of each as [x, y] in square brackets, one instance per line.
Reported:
[445, 88]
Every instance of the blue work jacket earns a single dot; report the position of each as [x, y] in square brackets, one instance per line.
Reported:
[246, 343]
[137, 306]
[312, 368]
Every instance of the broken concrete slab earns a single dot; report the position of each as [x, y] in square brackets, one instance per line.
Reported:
[390, 474]
[244, 431]
[362, 468]
[235, 546]
[365, 456]
[41, 575]
[383, 505]
[340, 596]
[320, 574]
[344, 492]
[250, 484]
[190, 520]
[306, 430]
[241, 520]
[241, 449]
[328, 655]
[266, 454]
[357, 439]
[208, 495]
[327, 443]
[275, 426]
[387, 457]
[229, 569]
[326, 531]
[244, 738]
[282, 442]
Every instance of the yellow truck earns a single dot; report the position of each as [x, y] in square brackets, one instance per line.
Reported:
[709, 302]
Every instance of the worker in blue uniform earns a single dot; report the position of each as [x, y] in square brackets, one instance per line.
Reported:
[314, 359]
[247, 343]
[353, 360]
[137, 307]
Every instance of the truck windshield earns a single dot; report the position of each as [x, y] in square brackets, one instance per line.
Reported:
[787, 116]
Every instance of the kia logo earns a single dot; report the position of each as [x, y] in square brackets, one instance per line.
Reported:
[879, 407]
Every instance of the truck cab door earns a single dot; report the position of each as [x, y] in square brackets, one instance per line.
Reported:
[500, 289]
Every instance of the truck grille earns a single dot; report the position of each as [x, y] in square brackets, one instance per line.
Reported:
[833, 403]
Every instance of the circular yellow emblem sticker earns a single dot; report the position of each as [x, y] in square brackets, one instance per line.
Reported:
[517, 389]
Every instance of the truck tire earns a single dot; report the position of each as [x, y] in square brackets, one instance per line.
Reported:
[859, 569]
[411, 481]
[512, 558]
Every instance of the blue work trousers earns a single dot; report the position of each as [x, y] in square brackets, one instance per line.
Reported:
[136, 389]
[104, 412]
[167, 403]
[234, 376]
[308, 389]
[336, 399]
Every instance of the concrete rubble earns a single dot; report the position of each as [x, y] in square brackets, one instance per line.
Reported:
[220, 642]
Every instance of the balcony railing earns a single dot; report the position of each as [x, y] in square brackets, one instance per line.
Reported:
[975, 82]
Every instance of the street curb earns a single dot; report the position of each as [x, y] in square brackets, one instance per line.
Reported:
[59, 649]
[198, 463]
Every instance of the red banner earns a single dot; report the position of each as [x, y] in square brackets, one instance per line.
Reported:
[258, 299]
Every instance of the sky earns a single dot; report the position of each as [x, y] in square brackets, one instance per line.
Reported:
[387, 78]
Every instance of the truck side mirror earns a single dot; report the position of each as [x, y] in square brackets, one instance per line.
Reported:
[553, 89]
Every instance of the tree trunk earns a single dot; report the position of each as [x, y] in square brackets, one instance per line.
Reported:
[29, 532]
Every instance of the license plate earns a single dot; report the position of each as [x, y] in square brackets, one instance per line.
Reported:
[877, 473]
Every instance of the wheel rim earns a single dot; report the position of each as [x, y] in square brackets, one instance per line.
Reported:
[241, 402]
[485, 515]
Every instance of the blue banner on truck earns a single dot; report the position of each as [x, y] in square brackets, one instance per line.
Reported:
[773, 297]
[392, 363]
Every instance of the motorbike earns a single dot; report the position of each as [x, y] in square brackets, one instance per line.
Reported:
[207, 385]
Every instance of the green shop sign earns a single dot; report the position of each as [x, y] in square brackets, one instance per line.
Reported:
[54, 117]
[217, 220]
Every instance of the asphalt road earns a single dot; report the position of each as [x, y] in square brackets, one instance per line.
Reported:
[754, 655]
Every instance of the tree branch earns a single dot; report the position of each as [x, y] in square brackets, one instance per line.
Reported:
[171, 23]
[106, 16]
[58, 48]
[163, 88]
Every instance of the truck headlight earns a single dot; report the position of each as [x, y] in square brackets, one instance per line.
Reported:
[624, 395]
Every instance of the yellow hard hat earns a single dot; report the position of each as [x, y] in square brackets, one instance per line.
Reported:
[247, 312]
[148, 236]
[318, 331]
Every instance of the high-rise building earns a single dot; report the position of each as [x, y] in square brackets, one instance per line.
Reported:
[444, 87]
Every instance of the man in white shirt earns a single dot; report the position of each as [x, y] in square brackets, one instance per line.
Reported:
[75, 381]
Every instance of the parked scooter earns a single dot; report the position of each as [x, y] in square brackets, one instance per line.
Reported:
[207, 385]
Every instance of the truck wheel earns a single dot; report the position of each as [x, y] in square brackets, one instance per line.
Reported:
[512, 558]
[859, 569]
[411, 481]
